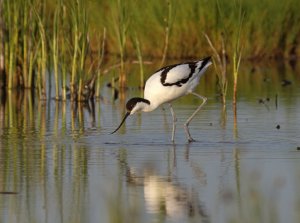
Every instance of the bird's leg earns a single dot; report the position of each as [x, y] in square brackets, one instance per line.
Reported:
[186, 124]
[174, 121]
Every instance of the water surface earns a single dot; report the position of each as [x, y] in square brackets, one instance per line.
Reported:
[60, 164]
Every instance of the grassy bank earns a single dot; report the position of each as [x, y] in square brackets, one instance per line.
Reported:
[270, 27]
[44, 43]
[64, 41]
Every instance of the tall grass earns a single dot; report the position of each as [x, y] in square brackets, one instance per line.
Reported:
[30, 35]
[12, 9]
[262, 20]
[140, 59]
[55, 50]
[25, 41]
[75, 51]
[101, 48]
[220, 65]
[2, 50]
[168, 20]
[80, 34]
[121, 23]
[42, 59]
[237, 55]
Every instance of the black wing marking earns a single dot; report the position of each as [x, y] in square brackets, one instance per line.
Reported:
[179, 83]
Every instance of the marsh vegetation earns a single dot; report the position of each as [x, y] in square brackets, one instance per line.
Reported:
[71, 44]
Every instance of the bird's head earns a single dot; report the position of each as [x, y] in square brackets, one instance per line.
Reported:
[133, 105]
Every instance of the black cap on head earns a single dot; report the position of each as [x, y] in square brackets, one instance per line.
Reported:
[133, 101]
[129, 106]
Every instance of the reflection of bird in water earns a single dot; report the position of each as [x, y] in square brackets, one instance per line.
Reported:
[163, 196]
[168, 84]
[115, 90]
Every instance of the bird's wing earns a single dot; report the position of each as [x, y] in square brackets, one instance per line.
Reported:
[177, 74]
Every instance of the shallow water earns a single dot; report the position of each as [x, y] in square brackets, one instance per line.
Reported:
[59, 164]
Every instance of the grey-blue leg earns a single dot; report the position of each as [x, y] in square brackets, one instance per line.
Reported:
[186, 124]
[174, 119]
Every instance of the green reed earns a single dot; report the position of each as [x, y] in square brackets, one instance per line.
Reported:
[31, 46]
[237, 53]
[18, 27]
[31, 35]
[12, 16]
[79, 49]
[75, 47]
[226, 40]
[262, 20]
[63, 74]
[25, 42]
[42, 59]
[220, 65]
[101, 48]
[55, 50]
[84, 46]
[63, 50]
[121, 23]
[140, 59]
[168, 25]
[2, 68]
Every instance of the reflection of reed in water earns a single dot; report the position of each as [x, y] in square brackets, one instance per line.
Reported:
[34, 173]
[44, 178]
[41, 185]
[22, 115]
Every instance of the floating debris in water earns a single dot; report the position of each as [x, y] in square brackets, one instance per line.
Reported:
[285, 82]
[261, 101]
[264, 102]
[278, 127]
[113, 82]
[8, 192]
[298, 147]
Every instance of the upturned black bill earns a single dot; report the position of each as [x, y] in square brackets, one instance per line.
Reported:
[126, 115]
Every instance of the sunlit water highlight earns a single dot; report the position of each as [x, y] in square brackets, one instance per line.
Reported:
[62, 165]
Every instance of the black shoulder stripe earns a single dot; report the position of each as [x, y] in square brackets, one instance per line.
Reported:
[192, 66]
[164, 72]
[204, 62]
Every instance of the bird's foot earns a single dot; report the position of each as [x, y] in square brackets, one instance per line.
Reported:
[190, 139]
[187, 132]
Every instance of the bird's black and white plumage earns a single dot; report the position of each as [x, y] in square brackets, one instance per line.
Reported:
[166, 85]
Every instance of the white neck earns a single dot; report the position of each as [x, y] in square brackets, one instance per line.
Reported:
[143, 106]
